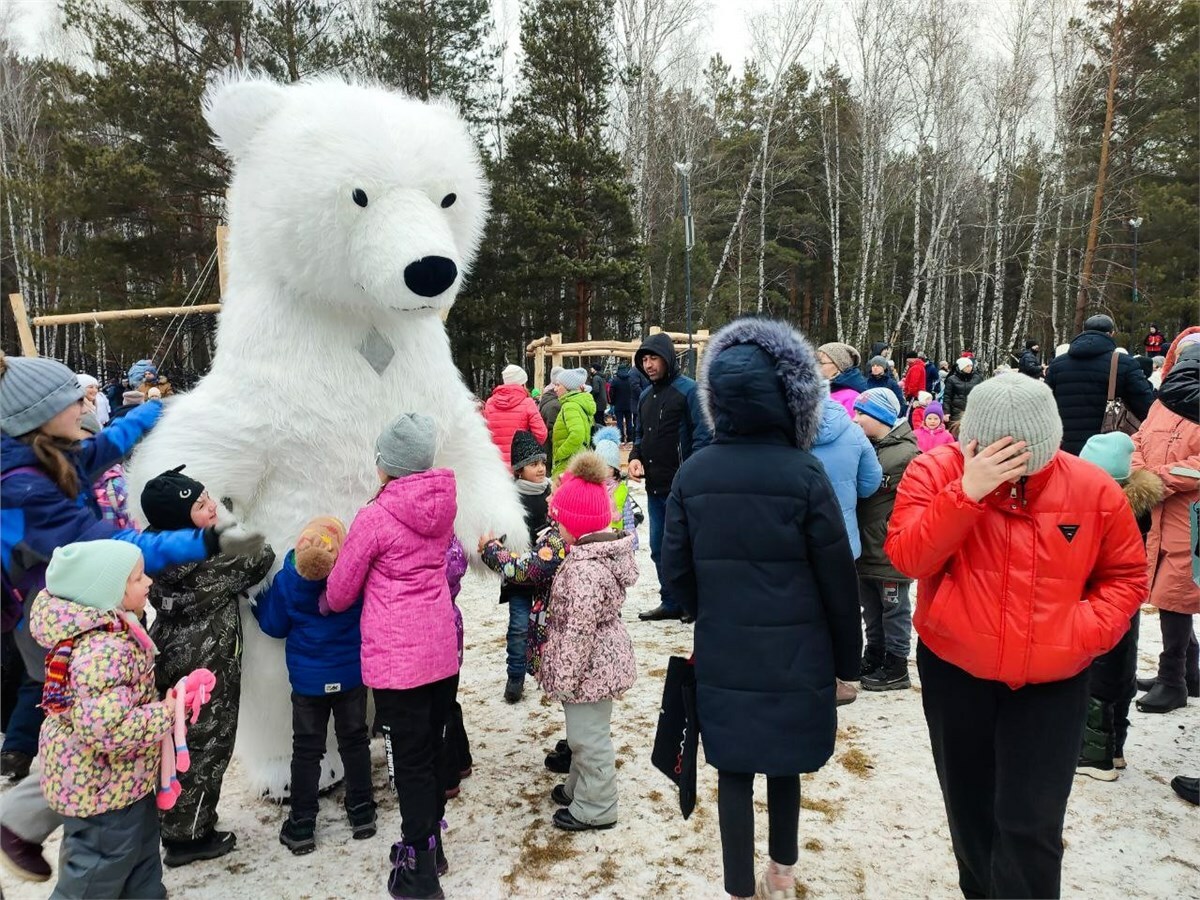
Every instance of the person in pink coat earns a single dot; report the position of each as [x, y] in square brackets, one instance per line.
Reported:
[510, 409]
[932, 430]
[395, 558]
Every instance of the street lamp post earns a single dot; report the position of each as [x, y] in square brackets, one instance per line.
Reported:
[689, 241]
[1135, 224]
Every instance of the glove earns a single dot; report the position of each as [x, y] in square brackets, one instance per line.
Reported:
[232, 539]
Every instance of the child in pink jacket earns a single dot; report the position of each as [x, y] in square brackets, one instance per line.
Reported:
[588, 658]
[931, 432]
[395, 559]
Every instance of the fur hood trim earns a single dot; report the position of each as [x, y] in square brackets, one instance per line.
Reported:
[1144, 490]
[795, 364]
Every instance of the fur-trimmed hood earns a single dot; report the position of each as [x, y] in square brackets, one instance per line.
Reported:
[1144, 490]
[759, 376]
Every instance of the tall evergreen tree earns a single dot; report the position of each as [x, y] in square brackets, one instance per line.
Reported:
[572, 230]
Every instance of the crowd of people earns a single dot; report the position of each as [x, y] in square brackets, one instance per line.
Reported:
[1036, 510]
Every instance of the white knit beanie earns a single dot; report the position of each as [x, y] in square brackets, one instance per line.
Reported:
[514, 375]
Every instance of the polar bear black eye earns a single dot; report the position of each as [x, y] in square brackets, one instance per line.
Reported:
[448, 200]
[359, 196]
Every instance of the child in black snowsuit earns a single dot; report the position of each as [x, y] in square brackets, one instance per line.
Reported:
[199, 626]
[529, 470]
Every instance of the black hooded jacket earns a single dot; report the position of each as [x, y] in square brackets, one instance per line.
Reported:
[764, 563]
[670, 426]
[1079, 379]
[627, 386]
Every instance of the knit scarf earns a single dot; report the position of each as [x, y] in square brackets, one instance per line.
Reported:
[532, 488]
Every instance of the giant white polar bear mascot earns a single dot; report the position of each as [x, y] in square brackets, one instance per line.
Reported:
[354, 213]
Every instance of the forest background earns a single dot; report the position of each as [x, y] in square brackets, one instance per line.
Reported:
[905, 170]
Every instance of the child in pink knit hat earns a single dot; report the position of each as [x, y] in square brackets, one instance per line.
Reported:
[588, 659]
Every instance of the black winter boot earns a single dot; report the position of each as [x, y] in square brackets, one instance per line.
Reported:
[872, 660]
[214, 844]
[299, 837]
[559, 759]
[1099, 743]
[892, 675]
[362, 820]
[514, 688]
[1162, 699]
[414, 873]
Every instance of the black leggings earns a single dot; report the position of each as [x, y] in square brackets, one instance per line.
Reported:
[735, 809]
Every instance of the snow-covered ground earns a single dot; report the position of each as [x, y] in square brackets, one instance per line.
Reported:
[872, 822]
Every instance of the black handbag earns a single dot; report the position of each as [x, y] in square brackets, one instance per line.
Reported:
[677, 739]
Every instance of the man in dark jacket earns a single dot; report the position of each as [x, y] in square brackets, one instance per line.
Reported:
[1029, 363]
[959, 385]
[765, 565]
[670, 428]
[599, 393]
[1079, 379]
[627, 387]
[550, 405]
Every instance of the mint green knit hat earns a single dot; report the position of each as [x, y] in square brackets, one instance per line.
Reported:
[92, 573]
[1113, 452]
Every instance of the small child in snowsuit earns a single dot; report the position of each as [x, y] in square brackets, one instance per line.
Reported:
[916, 413]
[883, 592]
[110, 490]
[394, 558]
[588, 659]
[323, 667]
[932, 430]
[100, 744]
[1113, 676]
[608, 445]
[533, 487]
[199, 625]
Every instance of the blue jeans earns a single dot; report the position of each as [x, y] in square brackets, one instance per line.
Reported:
[26, 719]
[518, 633]
[657, 504]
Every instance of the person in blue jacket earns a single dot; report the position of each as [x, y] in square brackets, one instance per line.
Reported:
[879, 374]
[47, 466]
[670, 428]
[756, 549]
[323, 659]
[850, 462]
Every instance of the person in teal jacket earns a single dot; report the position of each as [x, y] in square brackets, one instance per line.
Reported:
[850, 462]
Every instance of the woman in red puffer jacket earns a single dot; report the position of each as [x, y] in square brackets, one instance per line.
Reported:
[1030, 564]
[510, 409]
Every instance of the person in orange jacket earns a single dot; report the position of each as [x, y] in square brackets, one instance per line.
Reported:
[1030, 564]
[915, 380]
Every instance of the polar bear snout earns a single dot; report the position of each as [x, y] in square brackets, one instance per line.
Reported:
[430, 275]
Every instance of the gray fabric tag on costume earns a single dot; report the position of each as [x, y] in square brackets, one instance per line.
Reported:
[377, 350]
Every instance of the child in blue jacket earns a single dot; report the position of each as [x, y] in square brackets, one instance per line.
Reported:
[323, 651]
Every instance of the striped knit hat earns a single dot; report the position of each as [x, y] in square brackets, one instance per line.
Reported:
[33, 390]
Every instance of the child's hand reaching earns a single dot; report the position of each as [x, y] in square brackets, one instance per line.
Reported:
[484, 541]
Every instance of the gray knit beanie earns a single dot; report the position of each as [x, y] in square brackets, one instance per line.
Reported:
[1021, 408]
[407, 446]
[33, 390]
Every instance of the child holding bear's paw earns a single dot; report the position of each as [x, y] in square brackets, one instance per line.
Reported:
[323, 665]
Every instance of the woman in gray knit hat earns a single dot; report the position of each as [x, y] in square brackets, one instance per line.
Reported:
[49, 463]
[1030, 564]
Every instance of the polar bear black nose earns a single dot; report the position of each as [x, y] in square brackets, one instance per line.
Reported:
[430, 276]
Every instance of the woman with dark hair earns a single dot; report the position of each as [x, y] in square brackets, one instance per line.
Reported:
[766, 568]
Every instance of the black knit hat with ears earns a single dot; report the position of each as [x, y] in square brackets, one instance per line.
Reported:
[167, 500]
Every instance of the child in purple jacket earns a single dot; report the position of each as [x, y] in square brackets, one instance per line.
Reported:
[395, 559]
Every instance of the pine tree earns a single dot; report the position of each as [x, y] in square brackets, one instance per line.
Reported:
[572, 229]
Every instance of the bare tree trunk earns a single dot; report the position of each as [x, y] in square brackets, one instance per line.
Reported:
[737, 223]
[1089, 254]
[1031, 267]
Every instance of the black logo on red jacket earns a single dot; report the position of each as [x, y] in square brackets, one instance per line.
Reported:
[1068, 531]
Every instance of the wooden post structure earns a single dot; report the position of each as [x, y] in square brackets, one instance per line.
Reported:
[556, 357]
[222, 241]
[24, 332]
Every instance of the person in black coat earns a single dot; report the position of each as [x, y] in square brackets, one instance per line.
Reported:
[627, 387]
[765, 566]
[958, 387]
[1029, 362]
[599, 393]
[1079, 379]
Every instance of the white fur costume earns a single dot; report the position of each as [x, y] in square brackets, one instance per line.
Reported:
[328, 332]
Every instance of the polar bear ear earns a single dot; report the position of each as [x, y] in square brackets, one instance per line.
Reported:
[237, 107]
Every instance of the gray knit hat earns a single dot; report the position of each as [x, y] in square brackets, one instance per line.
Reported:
[1021, 408]
[407, 445]
[841, 355]
[573, 379]
[33, 390]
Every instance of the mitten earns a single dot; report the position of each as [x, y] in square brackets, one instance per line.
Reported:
[233, 539]
[318, 546]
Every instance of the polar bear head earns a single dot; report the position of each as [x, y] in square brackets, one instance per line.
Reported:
[349, 194]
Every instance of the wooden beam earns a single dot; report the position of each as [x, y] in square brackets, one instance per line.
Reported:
[24, 332]
[539, 365]
[222, 273]
[111, 315]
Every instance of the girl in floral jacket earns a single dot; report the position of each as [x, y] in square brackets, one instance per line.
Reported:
[588, 658]
[100, 742]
